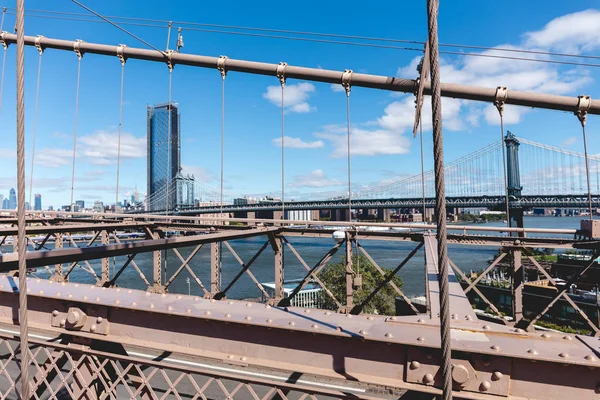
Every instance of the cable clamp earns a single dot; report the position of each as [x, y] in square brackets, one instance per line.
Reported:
[221, 66]
[170, 63]
[38, 44]
[76, 48]
[281, 72]
[122, 58]
[347, 81]
[501, 96]
[4, 44]
[583, 106]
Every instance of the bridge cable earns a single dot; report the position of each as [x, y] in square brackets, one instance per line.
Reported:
[79, 57]
[223, 71]
[5, 47]
[347, 84]
[21, 236]
[281, 75]
[583, 107]
[440, 204]
[169, 136]
[123, 60]
[501, 95]
[35, 116]
[422, 169]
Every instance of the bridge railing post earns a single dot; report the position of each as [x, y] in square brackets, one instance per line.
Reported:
[516, 286]
[349, 275]
[58, 268]
[157, 286]
[105, 261]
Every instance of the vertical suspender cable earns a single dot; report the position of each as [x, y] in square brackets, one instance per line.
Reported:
[440, 203]
[501, 94]
[422, 168]
[22, 244]
[35, 117]
[169, 138]
[347, 83]
[281, 75]
[5, 47]
[223, 71]
[584, 105]
[79, 55]
[120, 127]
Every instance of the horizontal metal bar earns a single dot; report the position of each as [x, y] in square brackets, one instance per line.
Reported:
[9, 261]
[528, 99]
[74, 228]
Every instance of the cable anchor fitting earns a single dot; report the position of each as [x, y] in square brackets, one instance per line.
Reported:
[583, 106]
[4, 43]
[122, 58]
[501, 96]
[170, 62]
[38, 44]
[76, 48]
[281, 72]
[347, 81]
[221, 66]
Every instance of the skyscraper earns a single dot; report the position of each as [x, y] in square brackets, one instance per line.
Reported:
[164, 158]
[5, 204]
[81, 204]
[37, 204]
[12, 199]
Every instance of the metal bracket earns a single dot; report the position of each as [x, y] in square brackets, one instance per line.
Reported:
[76, 48]
[122, 58]
[281, 72]
[179, 40]
[169, 61]
[38, 44]
[221, 66]
[4, 44]
[77, 320]
[501, 96]
[583, 105]
[347, 80]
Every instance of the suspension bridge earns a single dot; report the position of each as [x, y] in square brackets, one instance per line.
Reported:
[93, 338]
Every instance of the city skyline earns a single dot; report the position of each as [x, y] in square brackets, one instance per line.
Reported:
[382, 146]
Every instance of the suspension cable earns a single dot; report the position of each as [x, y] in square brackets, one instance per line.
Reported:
[169, 138]
[440, 204]
[79, 56]
[35, 119]
[5, 47]
[422, 168]
[501, 94]
[281, 75]
[223, 71]
[347, 84]
[584, 105]
[21, 238]
[123, 60]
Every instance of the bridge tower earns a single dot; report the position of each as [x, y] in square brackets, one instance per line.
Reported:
[513, 179]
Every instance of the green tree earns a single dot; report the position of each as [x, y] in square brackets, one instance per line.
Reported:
[334, 277]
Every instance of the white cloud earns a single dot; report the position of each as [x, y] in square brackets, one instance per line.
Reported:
[569, 141]
[364, 142]
[298, 143]
[295, 99]
[316, 178]
[337, 88]
[101, 147]
[53, 157]
[8, 153]
[201, 174]
[573, 33]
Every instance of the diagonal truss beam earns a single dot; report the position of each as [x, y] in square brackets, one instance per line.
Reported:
[247, 270]
[245, 267]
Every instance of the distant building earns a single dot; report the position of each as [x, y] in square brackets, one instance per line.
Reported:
[27, 207]
[81, 204]
[50, 208]
[37, 204]
[135, 196]
[12, 199]
[5, 203]
[98, 206]
[164, 156]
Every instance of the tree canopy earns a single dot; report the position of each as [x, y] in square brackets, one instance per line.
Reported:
[334, 277]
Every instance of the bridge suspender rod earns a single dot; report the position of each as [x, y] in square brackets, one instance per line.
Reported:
[79, 53]
[123, 60]
[440, 199]
[4, 48]
[22, 244]
[223, 72]
[169, 172]
[347, 84]
[584, 104]
[281, 75]
[465, 92]
[501, 93]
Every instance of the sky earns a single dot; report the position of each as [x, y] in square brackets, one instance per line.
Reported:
[383, 148]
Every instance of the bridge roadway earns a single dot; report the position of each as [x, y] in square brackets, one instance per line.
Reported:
[524, 201]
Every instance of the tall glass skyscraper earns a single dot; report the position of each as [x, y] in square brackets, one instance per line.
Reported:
[160, 168]
[37, 205]
[12, 199]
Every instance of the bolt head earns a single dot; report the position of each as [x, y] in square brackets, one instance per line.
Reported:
[421, 339]
[421, 321]
[495, 347]
[292, 323]
[532, 351]
[389, 335]
[93, 328]
[415, 365]
[73, 317]
[497, 375]
[428, 378]
[460, 374]
[248, 318]
[485, 386]
[486, 327]
[55, 313]
[568, 337]
[269, 321]
[563, 355]
[227, 315]
[63, 322]
[590, 358]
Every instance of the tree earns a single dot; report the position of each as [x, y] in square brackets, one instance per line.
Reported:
[334, 278]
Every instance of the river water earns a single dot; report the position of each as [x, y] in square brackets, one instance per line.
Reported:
[387, 254]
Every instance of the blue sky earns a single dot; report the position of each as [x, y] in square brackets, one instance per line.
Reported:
[383, 147]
